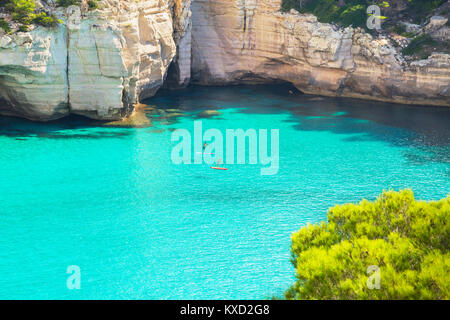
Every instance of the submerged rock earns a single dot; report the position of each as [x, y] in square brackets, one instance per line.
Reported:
[208, 114]
[174, 115]
[137, 119]
[156, 130]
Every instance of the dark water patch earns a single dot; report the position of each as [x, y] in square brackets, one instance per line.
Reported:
[424, 127]
[196, 98]
[428, 154]
[72, 127]
[429, 125]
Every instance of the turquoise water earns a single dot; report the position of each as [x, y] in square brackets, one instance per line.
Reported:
[110, 201]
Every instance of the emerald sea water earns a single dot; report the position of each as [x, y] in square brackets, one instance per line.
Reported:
[110, 200]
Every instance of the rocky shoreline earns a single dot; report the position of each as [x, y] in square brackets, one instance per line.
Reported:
[100, 63]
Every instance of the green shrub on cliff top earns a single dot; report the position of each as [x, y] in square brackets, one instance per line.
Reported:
[93, 4]
[24, 12]
[4, 25]
[287, 5]
[67, 3]
[407, 239]
[44, 20]
[418, 46]
[353, 12]
[21, 10]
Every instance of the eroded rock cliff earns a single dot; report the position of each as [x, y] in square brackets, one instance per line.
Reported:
[252, 41]
[99, 63]
[96, 63]
[33, 74]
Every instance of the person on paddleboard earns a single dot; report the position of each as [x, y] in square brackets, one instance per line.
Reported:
[218, 167]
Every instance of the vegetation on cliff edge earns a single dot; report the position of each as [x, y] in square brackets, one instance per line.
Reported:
[353, 12]
[395, 13]
[408, 240]
[25, 13]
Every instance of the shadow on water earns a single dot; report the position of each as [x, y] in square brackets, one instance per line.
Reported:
[72, 127]
[423, 127]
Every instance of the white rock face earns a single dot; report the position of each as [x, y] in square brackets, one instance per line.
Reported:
[96, 70]
[33, 78]
[97, 63]
[181, 74]
[436, 22]
[251, 41]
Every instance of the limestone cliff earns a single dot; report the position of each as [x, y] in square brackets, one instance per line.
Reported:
[252, 41]
[96, 63]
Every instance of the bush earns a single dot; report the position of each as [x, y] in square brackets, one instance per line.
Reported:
[355, 16]
[44, 20]
[325, 10]
[400, 29]
[4, 25]
[420, 9]
[287, 5]
[21, 10]
[92, 4]
[407, 239]
[353, 12]
[418, 44]
[67, 3]
[23, 28]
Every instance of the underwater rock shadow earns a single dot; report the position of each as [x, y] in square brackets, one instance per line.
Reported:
[434, 140]
[23, 129]
[428, 124]
[424, 127]
[199, 98]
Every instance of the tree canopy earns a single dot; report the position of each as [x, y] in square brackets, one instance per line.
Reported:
[408, 240]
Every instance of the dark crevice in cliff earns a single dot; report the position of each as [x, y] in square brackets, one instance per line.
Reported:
[127, 106]
[173, 75]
